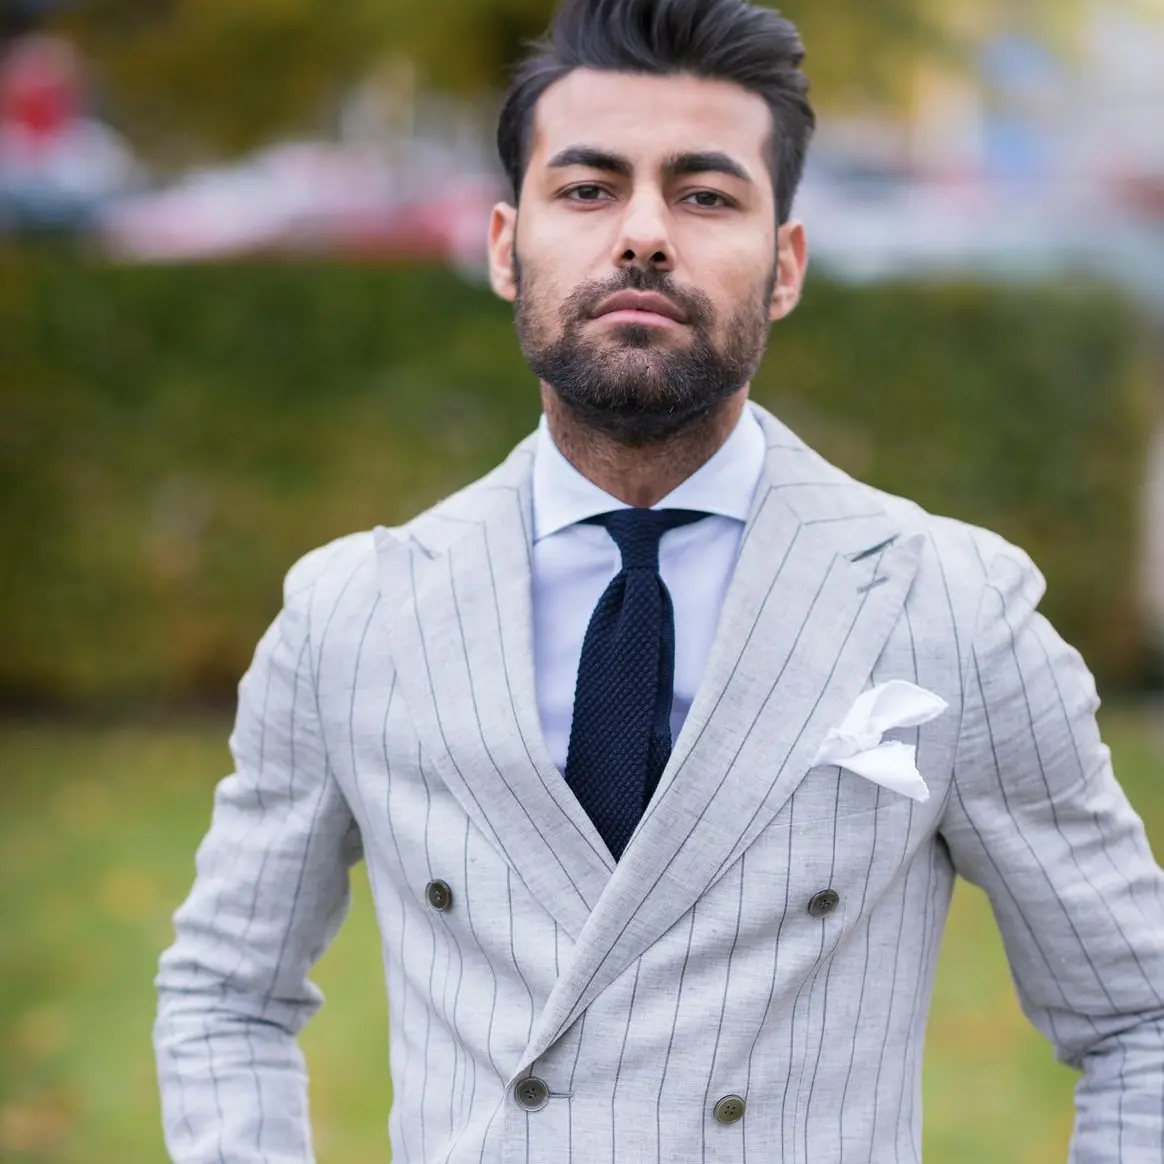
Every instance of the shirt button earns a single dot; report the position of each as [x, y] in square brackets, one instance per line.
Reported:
[824, 902]
[730, 1109]
[439, 895]
[532, 1093]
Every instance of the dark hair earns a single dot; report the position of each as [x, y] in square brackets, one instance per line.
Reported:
[724, 40]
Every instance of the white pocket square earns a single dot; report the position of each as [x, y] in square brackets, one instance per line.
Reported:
[856, 744]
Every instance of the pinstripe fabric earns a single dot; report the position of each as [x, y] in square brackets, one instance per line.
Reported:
[390, 715]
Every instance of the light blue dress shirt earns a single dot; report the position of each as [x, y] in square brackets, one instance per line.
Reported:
[573, 564]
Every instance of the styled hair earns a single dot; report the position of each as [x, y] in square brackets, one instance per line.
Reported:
[723, 40]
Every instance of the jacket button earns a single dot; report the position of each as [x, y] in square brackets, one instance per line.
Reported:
[532, 1093]
[439, 895]
[824, 902]
[730, 1109]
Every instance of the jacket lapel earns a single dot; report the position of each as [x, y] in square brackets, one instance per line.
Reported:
[462, 646]
[820, 582]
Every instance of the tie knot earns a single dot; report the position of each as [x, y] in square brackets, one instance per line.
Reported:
[637, 532]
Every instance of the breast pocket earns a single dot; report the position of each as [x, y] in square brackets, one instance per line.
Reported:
[835, 834]
[832, 793]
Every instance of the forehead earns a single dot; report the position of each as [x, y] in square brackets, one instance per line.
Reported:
[647, 118]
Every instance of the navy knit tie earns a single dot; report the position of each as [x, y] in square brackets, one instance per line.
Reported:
[620, 739]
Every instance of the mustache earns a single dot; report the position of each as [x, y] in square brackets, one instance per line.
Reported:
[583, 300]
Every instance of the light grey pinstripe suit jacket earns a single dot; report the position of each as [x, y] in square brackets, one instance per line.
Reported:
[390, 714]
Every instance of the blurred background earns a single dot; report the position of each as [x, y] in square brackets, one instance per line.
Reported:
[242, 312]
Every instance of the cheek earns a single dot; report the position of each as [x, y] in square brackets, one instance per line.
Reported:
[731, 274]
[545, 290]
[571, 247]
[539, 304]
[739, 300]
[727, 264]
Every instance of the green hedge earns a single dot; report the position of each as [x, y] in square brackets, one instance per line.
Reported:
[171, 439]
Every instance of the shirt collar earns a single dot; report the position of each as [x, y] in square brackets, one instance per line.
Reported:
[725, 485]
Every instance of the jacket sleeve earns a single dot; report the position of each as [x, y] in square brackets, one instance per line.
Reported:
[270, 893]
[1038, 820]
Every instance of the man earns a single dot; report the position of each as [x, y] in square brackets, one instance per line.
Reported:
[664, 742]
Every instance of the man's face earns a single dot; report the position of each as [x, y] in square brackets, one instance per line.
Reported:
[645, 263]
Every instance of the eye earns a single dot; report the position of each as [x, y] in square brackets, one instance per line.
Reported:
[708, 199]
[586, 193]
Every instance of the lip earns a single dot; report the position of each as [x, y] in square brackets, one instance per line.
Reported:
[642, 318]
[641, 307]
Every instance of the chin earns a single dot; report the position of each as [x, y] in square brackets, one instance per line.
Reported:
[646, 428]
[649, 416]
[640, 336]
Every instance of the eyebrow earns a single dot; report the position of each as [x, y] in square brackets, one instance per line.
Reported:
[710, 162]
[592, 159]
[676, 166]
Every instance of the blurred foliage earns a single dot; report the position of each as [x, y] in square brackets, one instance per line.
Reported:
[171, 439]
[191, 76]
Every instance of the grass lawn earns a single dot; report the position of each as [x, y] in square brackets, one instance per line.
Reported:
[97, 834]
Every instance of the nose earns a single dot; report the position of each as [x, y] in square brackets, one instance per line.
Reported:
[644, 237]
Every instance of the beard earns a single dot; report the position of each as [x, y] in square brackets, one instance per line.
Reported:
[640, 387]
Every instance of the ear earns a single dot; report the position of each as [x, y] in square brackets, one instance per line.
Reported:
[502, 235]
[791, 266]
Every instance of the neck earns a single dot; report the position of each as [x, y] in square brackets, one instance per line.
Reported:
[640, 476]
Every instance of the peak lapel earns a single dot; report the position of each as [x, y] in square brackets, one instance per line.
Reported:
[462, 644]
[820, 582]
